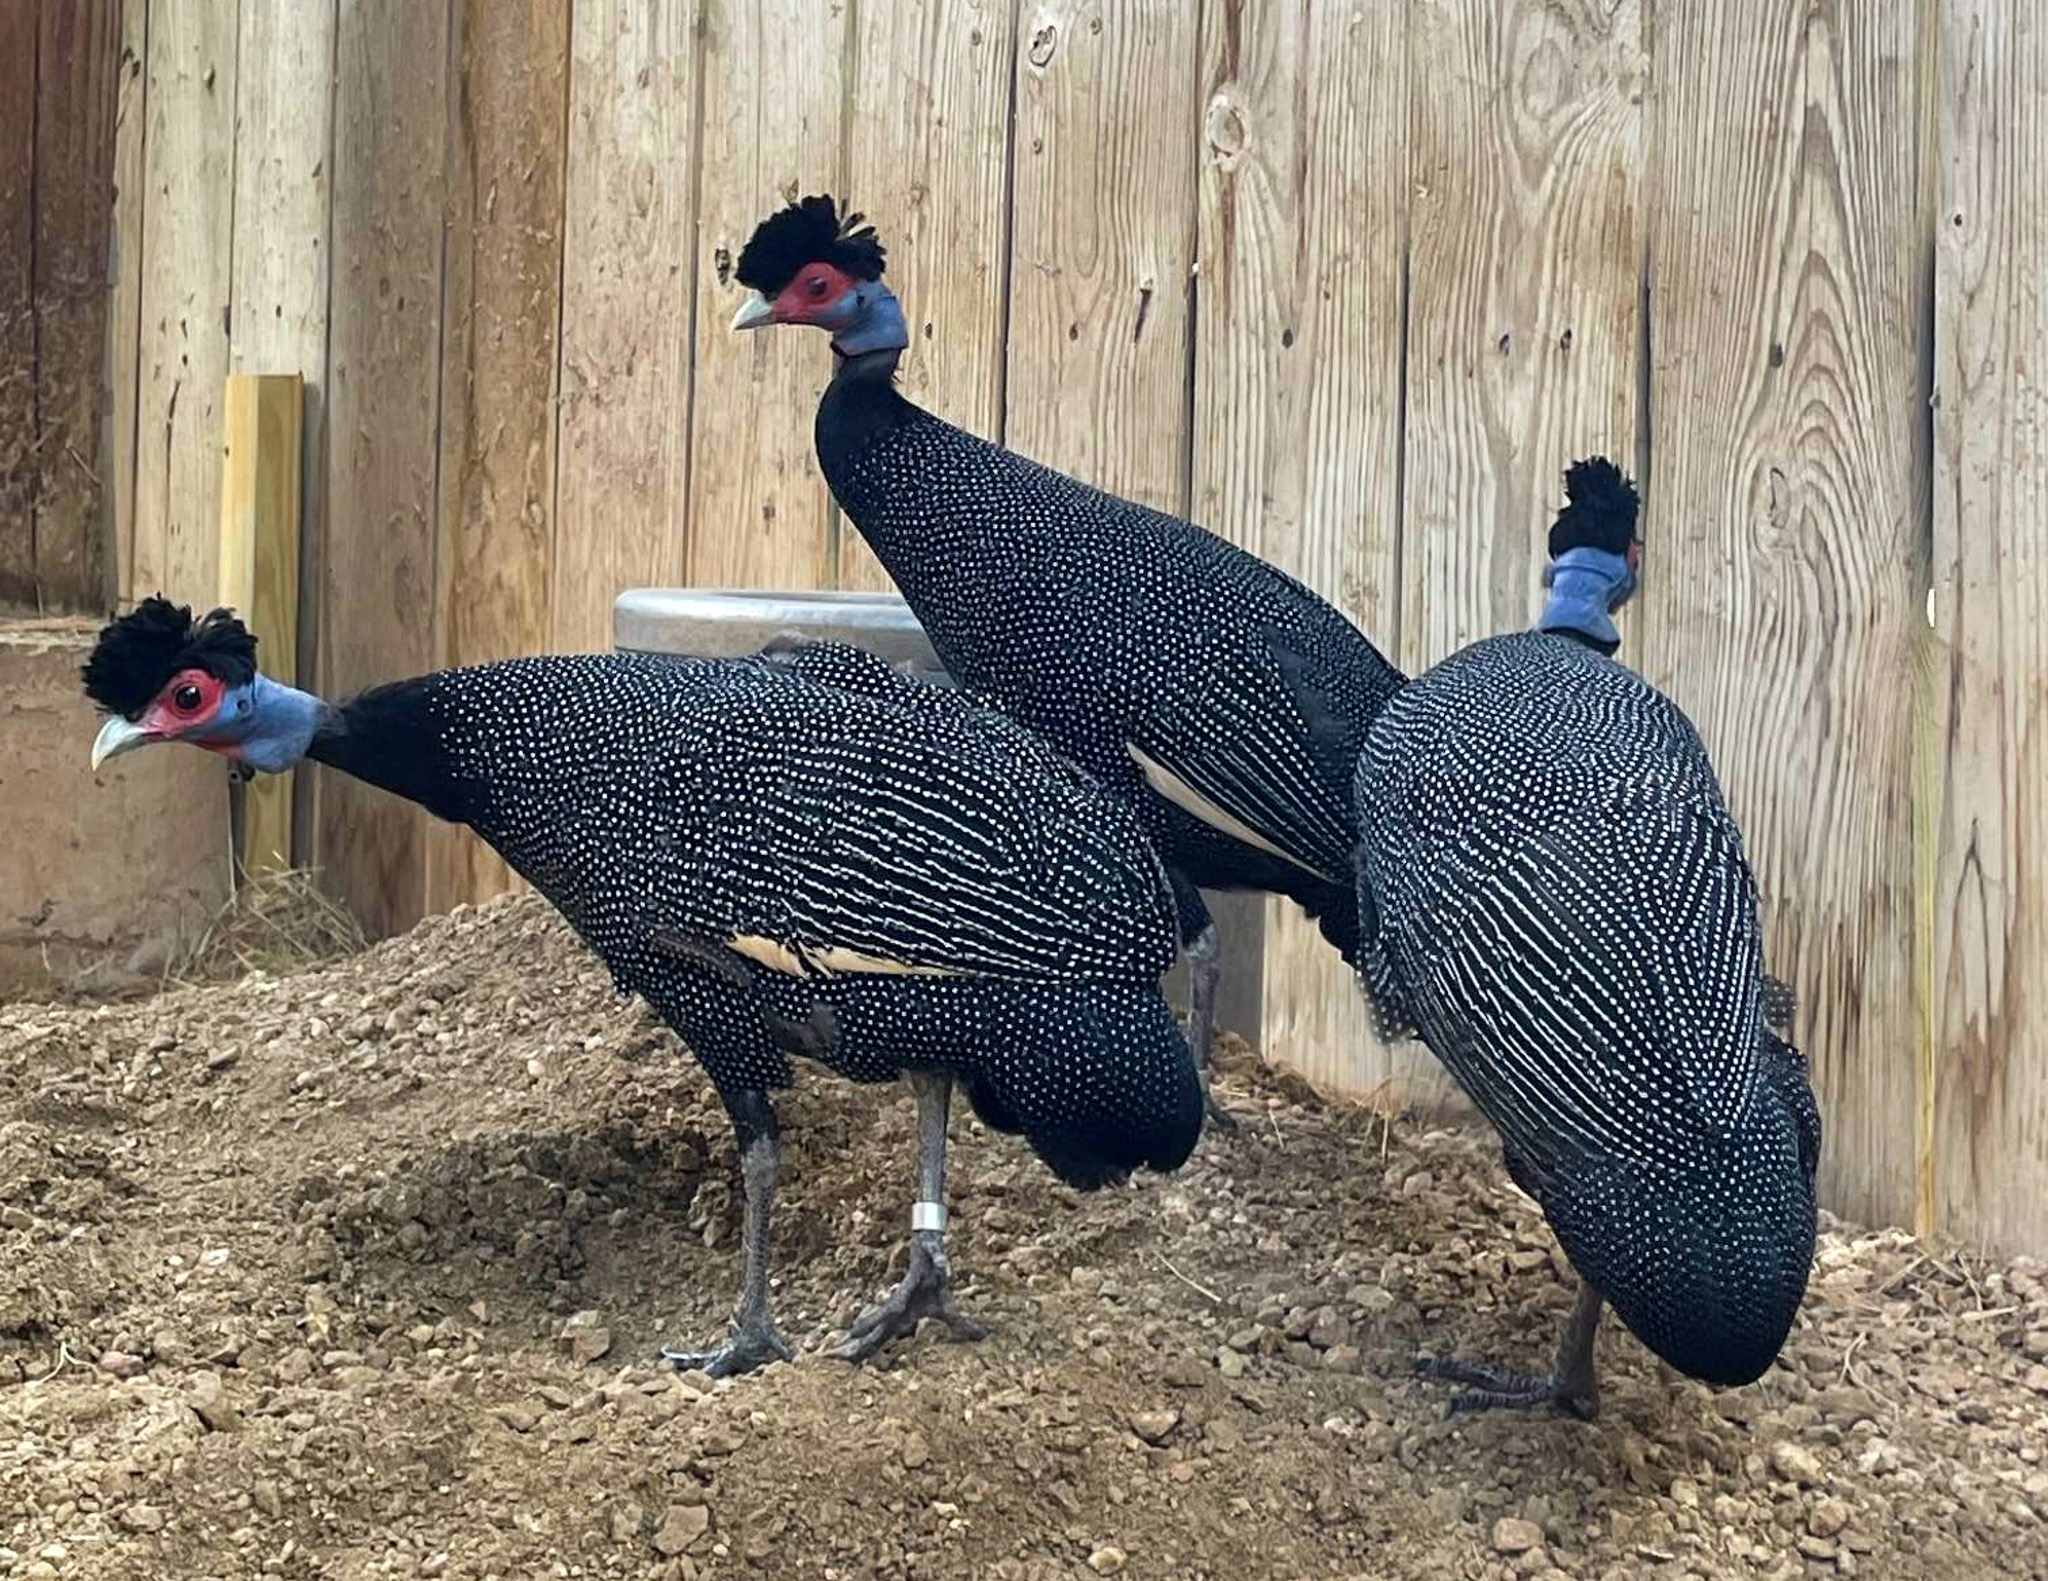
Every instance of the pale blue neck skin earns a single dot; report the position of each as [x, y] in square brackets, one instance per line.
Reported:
[868, 319]
[1586, 585]
[270, 725]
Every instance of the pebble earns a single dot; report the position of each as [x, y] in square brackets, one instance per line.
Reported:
[586, 1337]
[2037, 1344]
[1344, 1358]
[1797, 1464]
[143, 1518]
[1230, 1364]
[1107, 1560]
[1512, 1534]
[1329, 1329]
[681, 1529]
[517, 1417]
[1827, 1518]
[210, 1400]
[916, 1452]
[2037, 1378]
[1153, 1426]
[119, 1364]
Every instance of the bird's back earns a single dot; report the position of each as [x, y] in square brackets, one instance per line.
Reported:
[1112, 628]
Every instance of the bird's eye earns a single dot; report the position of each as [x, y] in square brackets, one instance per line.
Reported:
[186, 699]
[818, 285]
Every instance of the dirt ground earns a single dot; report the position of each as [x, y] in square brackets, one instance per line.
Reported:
[286, 1269]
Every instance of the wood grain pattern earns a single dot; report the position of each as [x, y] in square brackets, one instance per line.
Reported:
[1783, 605]
[18, 462]
[1990, 941]
[263, 446]
[502, 299]
[187, 245]
[1526, 165]
[284, 122]
[1297, 409]
[773, 73]
[1102, 243]
[384, 358]
[79, 72]
[629, 254]
[929, 123]
[124, 322]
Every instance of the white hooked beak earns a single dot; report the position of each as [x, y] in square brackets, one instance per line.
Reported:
[116, 736]
[754, 312]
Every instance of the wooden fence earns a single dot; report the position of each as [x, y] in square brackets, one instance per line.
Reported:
[1350, 282]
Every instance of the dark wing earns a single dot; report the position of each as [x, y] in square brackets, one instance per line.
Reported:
[820, 832]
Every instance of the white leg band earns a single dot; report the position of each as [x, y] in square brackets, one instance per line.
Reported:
[927, 1216]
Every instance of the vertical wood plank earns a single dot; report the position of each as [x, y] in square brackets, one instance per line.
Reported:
[1789, 277]
[1102, 243]
[284, 125]
[186, 291]
[502, 301]
[1297, 411]
[80, 73]
[928, 162]
[124, 333]
[628, 265]
[262, 452]
[384, 359]
[1526, 164]
[17, 311]
[1991, 612]
[773, 97]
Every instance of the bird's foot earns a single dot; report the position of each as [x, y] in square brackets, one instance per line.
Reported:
[1212, 1107]
[926, 1290]
[1491, 1388]
[748, 1346]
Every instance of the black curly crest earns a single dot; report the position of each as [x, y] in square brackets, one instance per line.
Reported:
[1602, 512]
[808, 232]
[139, 652]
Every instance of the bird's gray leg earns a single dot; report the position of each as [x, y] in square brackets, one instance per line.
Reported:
[1574, 1386]
[1205, 970]
[926, 1289]
[753, 1340]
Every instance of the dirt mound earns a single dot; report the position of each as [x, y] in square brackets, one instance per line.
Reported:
[357, 1273]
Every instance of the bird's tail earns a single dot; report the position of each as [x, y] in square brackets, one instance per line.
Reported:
[1096, 1076]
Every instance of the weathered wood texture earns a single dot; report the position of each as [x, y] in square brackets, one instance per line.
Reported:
[773, 76]
[629, 261]
[1789, 446]
[1101, 243]
[1297, 404]
[501, 297]
[261, 488]
[379, 556]
[59, 77]
[1990, 940]
[187, 242]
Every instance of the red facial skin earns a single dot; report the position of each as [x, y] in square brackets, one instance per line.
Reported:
[817, 288]
[175, 713]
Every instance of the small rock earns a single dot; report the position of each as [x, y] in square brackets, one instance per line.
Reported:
[681, 1529]
[211, 1401]
[1343, 1358]
[1086, 1280]
[1827, 1518]
[1513, 1535]
[41, 1570]
[1329, 1329]
[143, 1518]
[295, 1366]
[520, 1418]
[119, 1364]
[1796, 1464]
[625, 1521]
[586, 1337]
[1418, 1183]
[1685, 1493]
[1153, 1426]
[1230, 1364]
[1816, 1548]
[2037, 1344]
[2037, 1378]
[1107, 1560]
[13, 1218]
[916, 1452]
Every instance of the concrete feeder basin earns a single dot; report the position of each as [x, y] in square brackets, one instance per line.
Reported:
[710, 623]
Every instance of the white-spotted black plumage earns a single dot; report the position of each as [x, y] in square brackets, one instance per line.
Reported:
[1554, 895]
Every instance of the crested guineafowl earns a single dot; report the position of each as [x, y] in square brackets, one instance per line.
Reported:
[1553, 895]
[803, 853]
[1152, 653]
